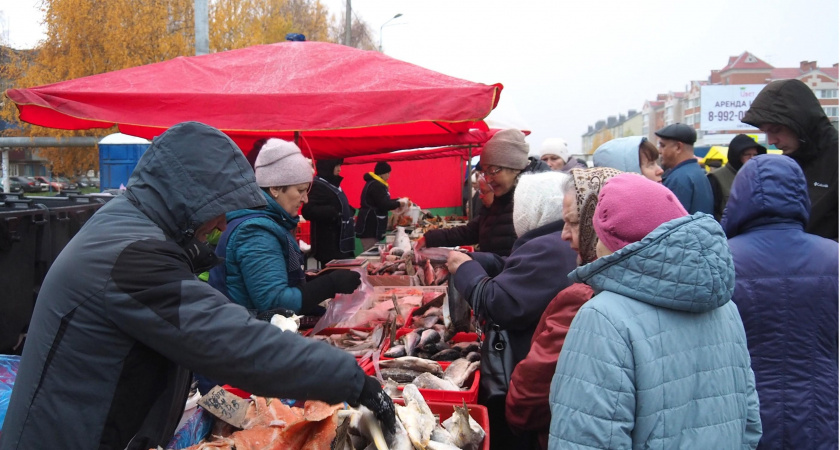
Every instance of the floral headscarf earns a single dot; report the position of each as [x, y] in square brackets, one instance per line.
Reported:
[588, 184]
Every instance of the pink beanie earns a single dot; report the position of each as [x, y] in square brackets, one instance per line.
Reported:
[629, 207]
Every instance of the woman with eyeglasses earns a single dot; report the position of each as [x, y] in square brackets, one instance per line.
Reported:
[503, 159]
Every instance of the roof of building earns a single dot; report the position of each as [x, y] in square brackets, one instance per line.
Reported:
[746, 61]
[784, 73]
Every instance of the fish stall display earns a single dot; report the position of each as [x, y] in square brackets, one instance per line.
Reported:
[270, 423]
[457, 375]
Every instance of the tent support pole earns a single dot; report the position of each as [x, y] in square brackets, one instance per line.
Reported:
[297, 138]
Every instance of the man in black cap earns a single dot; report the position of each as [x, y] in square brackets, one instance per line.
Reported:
[684, 176]
[741, 149]
[791, 116]
[375, 203]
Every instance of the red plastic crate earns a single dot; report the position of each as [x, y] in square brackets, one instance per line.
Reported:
[470, 395]
[445, 410]
[303, 232]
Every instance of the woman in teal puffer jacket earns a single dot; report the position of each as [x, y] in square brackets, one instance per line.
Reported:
[658, 358]
[263, 269]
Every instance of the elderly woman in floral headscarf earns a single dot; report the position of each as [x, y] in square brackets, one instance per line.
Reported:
[527, 406]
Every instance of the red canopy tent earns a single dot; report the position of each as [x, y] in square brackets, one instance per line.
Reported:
[337, 101]
[411, 173]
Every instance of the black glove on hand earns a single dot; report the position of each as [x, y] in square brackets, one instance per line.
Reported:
[268, 314]
[376, 400]
[326, 286]
[345, 281]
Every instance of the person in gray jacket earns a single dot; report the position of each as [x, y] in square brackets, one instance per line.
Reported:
[121, 319]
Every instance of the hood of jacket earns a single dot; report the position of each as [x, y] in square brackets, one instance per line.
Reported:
[683, 264]
[621, 154]
[324, 168]
[737, 146]
[272, 210]
[190, 174]
[768, 189]
[793, 104]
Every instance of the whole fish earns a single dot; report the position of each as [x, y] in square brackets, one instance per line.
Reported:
[416, 416]
[395, 351]
[459, 371]
[466, 432]
[418, 365]
[446, 355]
[429, 381]
[399, 374]
[430, 336]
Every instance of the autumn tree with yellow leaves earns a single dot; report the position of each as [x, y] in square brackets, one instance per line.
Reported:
[89, 37]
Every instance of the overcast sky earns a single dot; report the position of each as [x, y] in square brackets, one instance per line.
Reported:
[567, 64]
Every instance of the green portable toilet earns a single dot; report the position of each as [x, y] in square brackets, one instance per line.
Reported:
[118, 155]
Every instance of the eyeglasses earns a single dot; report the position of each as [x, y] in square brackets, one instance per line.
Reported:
[492, 172]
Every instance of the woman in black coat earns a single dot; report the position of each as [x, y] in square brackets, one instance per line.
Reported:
[331, 215]
[375, 203]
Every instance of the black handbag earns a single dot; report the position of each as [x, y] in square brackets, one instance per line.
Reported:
[497, 361]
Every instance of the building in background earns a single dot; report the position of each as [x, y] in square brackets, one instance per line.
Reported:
[744, 74]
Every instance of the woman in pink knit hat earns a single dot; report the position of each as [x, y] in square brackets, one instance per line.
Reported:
[658, 358]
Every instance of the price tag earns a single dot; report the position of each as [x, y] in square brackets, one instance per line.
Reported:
[225, 406]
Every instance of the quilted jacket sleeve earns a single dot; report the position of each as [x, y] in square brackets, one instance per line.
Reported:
[593, 395]
[263, 265]
[753, 431]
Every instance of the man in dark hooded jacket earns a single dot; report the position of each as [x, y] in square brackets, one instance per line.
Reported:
[121, 319]
[741, 149]
[791, 116]
[333, 236]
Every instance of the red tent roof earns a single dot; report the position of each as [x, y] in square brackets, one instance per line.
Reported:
[340, 100]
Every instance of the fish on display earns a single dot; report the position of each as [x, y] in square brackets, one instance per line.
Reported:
[428, 381]
[466, 432]
[460, 370]
[416, 416]
[412, 363]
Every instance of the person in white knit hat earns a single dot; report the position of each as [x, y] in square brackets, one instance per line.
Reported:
[510, 294]
[555, 152]
[263, 268]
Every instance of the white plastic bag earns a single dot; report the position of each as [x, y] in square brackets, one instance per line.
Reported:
[344, 306]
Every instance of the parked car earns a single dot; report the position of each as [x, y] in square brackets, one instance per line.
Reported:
[53, 184]
[29, 184]
[85, 181]
[67, 183]
[14, 185]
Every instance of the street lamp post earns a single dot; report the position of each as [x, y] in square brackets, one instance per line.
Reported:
[383, 26]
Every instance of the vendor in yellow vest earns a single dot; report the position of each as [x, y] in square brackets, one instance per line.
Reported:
[741, 149]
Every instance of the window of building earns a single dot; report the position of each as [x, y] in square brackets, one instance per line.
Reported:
[826, 93]
[830, 111]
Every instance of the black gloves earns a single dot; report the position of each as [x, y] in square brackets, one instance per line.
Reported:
[326, 286]
[376, 400]
[201, 256]
[268, 314]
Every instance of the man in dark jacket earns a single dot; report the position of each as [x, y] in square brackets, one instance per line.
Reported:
[786, 292]
[791, 116]
[375, 202]
[121, 319]
[741, 149]
[333, 236]
[684, 176]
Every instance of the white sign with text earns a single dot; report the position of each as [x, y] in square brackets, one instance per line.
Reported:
[723, 107]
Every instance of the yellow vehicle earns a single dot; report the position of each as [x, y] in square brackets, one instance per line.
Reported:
[716, 156]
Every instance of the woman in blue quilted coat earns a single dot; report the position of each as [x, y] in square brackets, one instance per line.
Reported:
[786, 292]
[658, 358]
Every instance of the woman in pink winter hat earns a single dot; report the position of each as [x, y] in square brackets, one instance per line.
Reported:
[629, 208]
[658, 358]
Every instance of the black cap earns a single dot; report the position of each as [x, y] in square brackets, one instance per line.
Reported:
[382, 168]
[678, 132]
